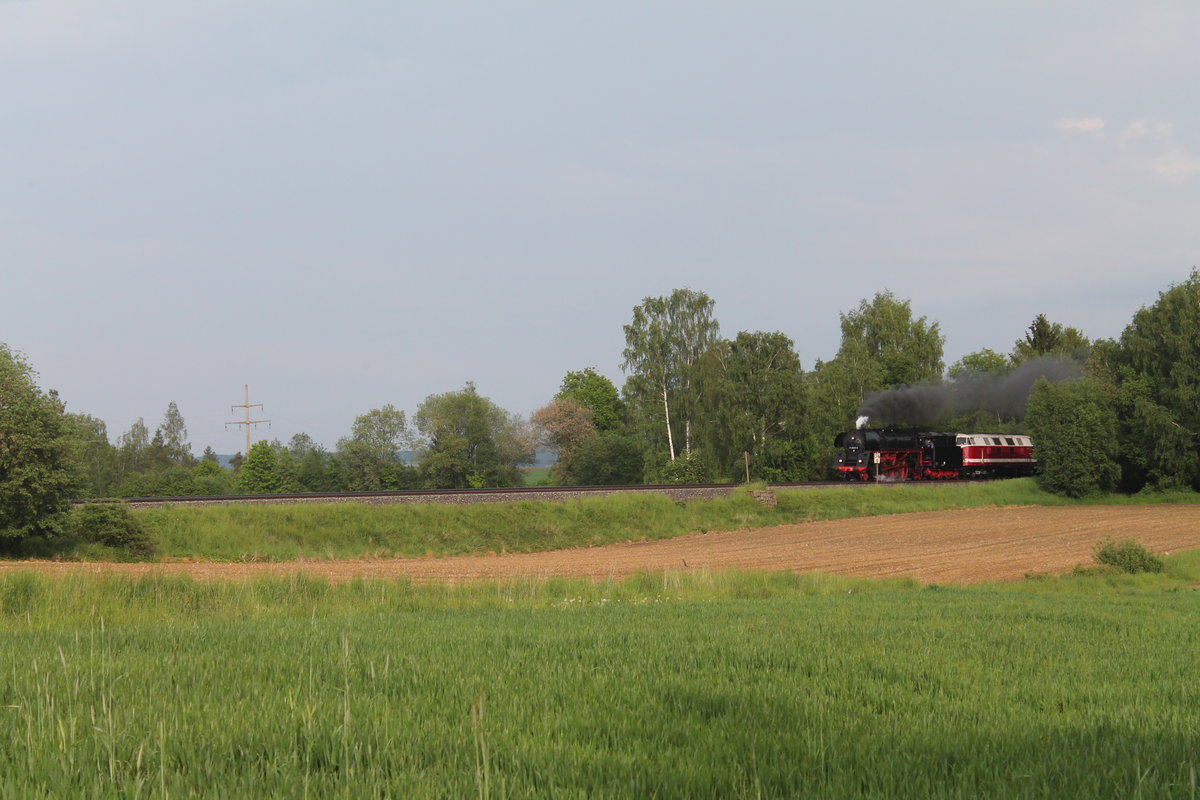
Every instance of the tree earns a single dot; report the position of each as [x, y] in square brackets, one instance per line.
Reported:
[209, 478]
[1074, 429]
[564, 425]
[301, 444]
[169, 481]
[755, 404]
[607, 459]
[593, 391]
[384, 431]
[901, 351]
[1159, 351]
[982, 362]
[287, 469]
[663, 344]
[882, 346]
[133, 449]
[257, 475]
[157, 458]
[469, 441]
[1046, 338]
[314, 471]
[97, 458]
[157, 466]
[1156, 450]
[38, 472]
[174, 438]
[834, 390]
[370, 460]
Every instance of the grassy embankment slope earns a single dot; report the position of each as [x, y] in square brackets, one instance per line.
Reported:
[694, 685]
[349, 530]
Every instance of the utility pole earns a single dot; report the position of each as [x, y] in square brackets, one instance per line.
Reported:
[247, 422]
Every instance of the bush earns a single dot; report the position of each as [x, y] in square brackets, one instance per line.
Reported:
[1127, 556]
[687, 468]
[112, 525]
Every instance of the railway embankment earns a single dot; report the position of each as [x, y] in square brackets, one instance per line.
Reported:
[338, 528]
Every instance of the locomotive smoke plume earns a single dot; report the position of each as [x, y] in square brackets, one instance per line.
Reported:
[1002, 395]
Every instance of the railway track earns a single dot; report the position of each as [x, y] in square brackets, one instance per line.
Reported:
[461, 496]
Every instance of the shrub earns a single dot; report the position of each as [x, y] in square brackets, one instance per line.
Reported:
[112, 525]
[1127, 556]
[687, 468]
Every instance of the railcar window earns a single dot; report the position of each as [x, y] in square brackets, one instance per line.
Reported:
[1010, 442]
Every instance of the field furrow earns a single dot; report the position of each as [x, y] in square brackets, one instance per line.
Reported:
[966, 546]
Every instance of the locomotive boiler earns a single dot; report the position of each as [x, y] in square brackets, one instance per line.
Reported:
[873, 454]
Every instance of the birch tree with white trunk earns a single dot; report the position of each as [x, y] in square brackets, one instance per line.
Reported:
[663, 344]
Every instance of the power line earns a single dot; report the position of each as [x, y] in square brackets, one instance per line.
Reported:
[247, 422]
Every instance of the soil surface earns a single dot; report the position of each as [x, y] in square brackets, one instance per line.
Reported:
[969, 546]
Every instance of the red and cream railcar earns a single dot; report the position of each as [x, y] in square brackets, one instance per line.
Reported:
[999, 455]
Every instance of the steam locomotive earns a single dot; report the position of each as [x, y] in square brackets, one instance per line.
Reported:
[911, 455]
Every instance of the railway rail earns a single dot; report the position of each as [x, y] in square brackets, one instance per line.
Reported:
[460, 496]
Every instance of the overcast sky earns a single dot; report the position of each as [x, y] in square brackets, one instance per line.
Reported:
[347, 204]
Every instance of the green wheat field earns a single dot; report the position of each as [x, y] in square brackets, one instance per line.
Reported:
[673, 686]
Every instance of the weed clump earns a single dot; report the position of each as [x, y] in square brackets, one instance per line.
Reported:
[1096, 571]
[1127, 556]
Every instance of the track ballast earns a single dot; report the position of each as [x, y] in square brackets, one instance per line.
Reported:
[680, 492]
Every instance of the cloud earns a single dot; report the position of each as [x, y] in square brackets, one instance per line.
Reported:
[1148, 143]
[1080, 124]
[1146, 129]
[1177, 165]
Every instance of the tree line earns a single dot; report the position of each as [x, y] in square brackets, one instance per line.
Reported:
[694, 407]
[698, 407]
[457, 439]
[1132, 421]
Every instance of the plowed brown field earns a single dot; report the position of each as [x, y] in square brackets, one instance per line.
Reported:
[942, 546]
